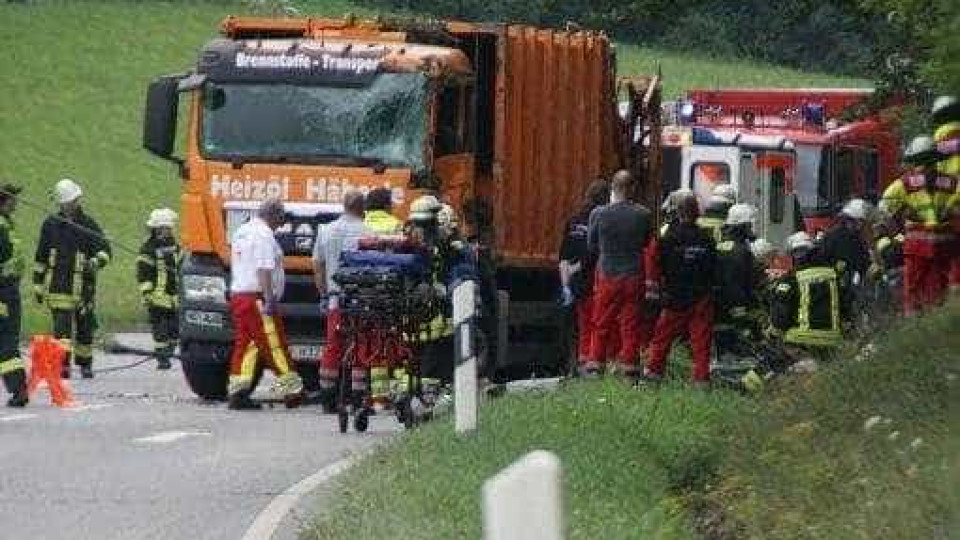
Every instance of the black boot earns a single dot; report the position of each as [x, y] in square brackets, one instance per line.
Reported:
[19, 399]
[241, 401]
[65, 369]
[328, 401]
[86, 371]
[163, 363]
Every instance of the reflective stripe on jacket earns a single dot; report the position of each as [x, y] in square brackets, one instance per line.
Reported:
[818, 312]
[158, 271]
[67, 249]
[11, 253]
[382, 222]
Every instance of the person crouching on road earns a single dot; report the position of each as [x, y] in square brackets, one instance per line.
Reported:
[342, 234]
[578, 268]
[617, 234]
[158, 274]
[12, 264]
[805, 303]
[688, 261]
[70, 252]
[257, 284]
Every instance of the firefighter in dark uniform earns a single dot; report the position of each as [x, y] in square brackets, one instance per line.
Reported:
[739, 274]
[12, 368]
[805, 304]
[70, 252]
[158, 269]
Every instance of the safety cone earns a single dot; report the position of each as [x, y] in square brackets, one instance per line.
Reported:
[46, 358]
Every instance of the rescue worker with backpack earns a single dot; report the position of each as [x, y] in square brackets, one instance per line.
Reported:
[805, 303]
[12, 368]
[71, 251]
[927, 202]
[738, 277]
[158, 274]
[688, 263]
[945, 115]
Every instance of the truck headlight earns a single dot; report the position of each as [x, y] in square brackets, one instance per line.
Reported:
[212, 289]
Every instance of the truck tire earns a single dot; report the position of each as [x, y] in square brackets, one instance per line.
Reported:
[205, 366]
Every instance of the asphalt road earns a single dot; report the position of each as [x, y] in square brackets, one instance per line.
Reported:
[141, 458]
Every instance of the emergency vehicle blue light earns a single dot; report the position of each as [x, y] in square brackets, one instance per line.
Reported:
[705, 136]
[814, 113]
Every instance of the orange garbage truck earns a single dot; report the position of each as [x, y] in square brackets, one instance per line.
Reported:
[506, 123]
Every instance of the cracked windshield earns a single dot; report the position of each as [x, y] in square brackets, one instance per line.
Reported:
[384, 122]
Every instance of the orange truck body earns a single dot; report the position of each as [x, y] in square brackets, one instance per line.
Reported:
[518, 121]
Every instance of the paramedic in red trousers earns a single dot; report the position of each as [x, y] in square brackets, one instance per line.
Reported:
[578, 267]
[256, 286]
[617, 234]
[339, 235]
[688, 263]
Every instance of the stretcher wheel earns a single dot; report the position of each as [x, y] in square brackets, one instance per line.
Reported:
[362, 421]
[344, 419]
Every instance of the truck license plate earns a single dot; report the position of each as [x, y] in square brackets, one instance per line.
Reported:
[306, 353]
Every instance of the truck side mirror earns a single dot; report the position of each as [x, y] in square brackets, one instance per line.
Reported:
[160, 117]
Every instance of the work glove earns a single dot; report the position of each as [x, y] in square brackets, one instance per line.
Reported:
[566, 296]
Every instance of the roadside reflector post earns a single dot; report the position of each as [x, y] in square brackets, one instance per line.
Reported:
[524, 500]
[465, 355]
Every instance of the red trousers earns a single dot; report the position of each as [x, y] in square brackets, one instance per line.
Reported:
[587, 331]
[257, 338]
[334, 351]
[925, 281]
[695, 321]
[616, 313]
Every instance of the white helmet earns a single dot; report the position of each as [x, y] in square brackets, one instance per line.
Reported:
[670, 203]
[741, 214]
[800, 240]
[761, 248]
[66, 191]
[162, 217]
[725, 191]
[857, 209]
[425, 208]
[921, 151]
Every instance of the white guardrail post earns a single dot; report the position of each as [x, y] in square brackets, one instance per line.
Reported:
[524, 501]
[465, 373]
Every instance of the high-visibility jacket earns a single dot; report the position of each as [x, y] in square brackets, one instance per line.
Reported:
[11, 254]
[382, 222]
[158, 271]
[947, 133]
[69, 251]
[713, 225]
[928, 207]
[806, 307]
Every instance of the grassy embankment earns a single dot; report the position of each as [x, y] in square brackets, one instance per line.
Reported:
[72, 95]
[863, 449]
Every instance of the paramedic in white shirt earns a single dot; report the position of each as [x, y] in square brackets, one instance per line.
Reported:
[257, 282]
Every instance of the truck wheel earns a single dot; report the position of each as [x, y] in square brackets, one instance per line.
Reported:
[205, 366]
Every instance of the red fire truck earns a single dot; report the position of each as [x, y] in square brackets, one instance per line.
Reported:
[785, 150]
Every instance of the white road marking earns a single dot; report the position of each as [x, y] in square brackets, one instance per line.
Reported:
[167, 437]
[91, 407]
[265, 524]
[16, 417]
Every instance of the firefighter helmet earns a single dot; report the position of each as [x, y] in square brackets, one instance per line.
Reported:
[425, 208]
[66, 191]
[670, 203]
[857, 209]
[798, 241]
[741, 214]
[945, 109]
[725, 191]
[921, 151]
[162, 217]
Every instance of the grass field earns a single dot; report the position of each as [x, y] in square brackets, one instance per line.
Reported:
[796, 462]
[74, 75]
